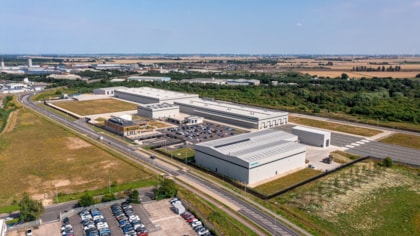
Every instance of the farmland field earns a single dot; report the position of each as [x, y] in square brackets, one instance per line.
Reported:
[93, 107]
[40, 158]
[364, 199]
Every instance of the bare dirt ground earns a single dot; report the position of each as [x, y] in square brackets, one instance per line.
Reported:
[76, 143]
[11, 122]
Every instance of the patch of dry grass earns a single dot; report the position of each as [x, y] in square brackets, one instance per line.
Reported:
[287, 181]
[38, 156]
[93, 107]
[335, 126]
[406, 140]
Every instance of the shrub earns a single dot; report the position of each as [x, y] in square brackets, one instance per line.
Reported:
[388, 162]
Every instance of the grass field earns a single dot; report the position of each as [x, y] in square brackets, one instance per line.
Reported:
[40, 158]
[180, 153]
[343, 157]
[364, 199]
[335, 126]
[221, 222]
[93, 107]
[287, 181]
[406, 140]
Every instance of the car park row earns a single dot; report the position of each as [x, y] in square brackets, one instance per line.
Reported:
[94, 223]
[129, 222]
[195, 223]
[66, 228]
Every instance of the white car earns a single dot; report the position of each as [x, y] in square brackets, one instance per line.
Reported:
[196, 223]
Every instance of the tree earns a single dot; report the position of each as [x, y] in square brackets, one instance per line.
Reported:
[344, 76]
[86, 200]
[166, 189]
[133, 196]
[388, 162]
[30, 209]
[418, 76]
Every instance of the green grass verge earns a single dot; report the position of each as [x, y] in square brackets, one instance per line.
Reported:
[406, 140]
[221, 222]
[335, 126]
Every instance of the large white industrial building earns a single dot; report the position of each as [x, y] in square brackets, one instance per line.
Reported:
[252, 157]
[146, 95]
[314, 137]
[107, 91]
[244, 116]
[158, 110]
[149, 78]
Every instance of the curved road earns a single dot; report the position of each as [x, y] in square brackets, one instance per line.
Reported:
[265, 220]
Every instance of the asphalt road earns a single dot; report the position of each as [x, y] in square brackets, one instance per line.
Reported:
[365, 147]
[256, 215]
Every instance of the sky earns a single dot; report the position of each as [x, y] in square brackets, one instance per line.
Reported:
[211, 26]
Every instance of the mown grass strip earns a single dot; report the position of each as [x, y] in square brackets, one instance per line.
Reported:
[405, 140]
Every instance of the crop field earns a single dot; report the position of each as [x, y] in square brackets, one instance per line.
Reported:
[40, 158]
[406, 140]
[93, 107]
[365, 199]
[287, 181]
[335, 126]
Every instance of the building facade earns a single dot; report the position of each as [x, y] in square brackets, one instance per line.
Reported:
[239, 115]
[124, 127]
[158, 110]
[252, 157]
[313, 137]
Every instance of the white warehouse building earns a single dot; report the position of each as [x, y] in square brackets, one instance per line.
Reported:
[252, 157]
[107, 91]
[149, 78]
[244, 116]
[158, 110]
[314, 137]
[147, 95]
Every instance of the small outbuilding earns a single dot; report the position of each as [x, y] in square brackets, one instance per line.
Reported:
[313, 137]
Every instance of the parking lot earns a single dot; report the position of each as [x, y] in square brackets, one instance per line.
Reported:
[192, 134]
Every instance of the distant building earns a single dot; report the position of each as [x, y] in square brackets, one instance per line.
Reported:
[244, 116]
[252, 157]
[311, 136]
[158, 110]
[107, 91]
[204, 81]
[124, 127]
[64, 76]
[146, 95]
[149, 78]
[14, 88]
[243, 82]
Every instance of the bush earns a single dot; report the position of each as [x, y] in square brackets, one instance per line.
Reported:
[86, 200]
[108, 197]
[388, 162]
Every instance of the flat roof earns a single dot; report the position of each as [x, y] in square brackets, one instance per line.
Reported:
[255, 146]
[156, 106]
[157, 93]
[312, 130]
[233, 108]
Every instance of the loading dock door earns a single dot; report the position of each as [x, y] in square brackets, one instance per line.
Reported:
[327, 143]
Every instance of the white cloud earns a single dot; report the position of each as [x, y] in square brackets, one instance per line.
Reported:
[416, 4]
[299, 24]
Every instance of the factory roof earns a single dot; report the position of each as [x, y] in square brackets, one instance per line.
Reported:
[232, 108]
[157, 93]
[312, 130]
[157, 106]
[255, 146]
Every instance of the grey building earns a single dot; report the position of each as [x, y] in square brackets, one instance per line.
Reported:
[148, 95]
[252, 157]
[314, 137]
[158, 110]
[244, 116]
